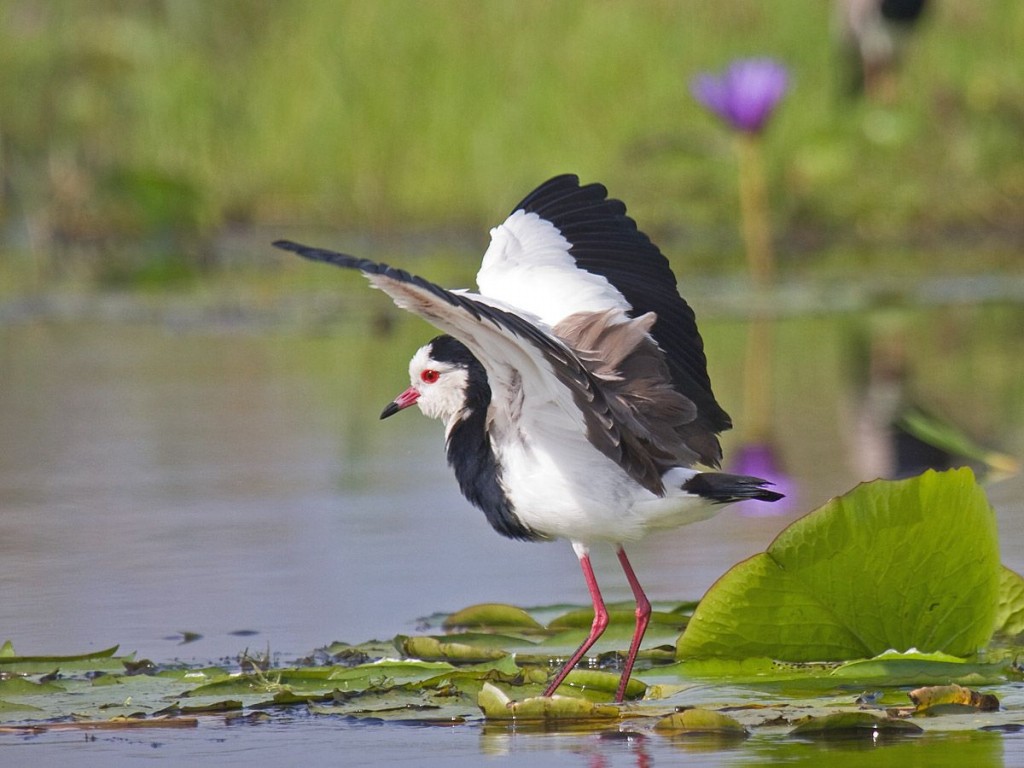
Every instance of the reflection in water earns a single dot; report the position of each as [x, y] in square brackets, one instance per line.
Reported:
[596, 747]
[759, 454]
[895, 436]
[881, 449]
[625, 748]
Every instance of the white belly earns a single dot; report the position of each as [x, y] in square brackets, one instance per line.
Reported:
[584, 496]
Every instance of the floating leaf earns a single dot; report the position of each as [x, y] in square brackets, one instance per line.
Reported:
[910, 668]
[19, 686]
[946, 699]
[104, 679]
[249, 718]
[418, 707]
[223, 705]
[584, 617]
[29, 665]
[602, 682]
[496, 705]
[1010, 615]
[702, 721]
[318, 680]
[853, 725]
[14, 706]
[492, 615]
[491, 640]
[435, 649]
[892, 564]
[113, 724]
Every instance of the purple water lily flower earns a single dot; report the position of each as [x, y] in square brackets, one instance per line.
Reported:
[745, 95]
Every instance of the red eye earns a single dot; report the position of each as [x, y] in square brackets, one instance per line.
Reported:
[430, 376]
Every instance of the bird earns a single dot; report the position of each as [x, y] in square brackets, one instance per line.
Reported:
[572, 385]
[873, 36]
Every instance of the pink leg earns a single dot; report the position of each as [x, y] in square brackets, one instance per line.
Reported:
[596, 628]
[643, 615]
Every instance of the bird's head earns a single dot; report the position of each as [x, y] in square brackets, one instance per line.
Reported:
[446, 381]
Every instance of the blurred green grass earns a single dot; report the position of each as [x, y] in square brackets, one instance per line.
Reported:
[154, 127]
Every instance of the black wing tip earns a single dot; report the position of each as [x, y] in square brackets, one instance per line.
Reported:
[331, 257]
[723, 488]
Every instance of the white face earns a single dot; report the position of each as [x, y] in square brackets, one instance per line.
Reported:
[441, 386]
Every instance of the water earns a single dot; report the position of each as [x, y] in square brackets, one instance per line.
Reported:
[237, 484]
[357, 745]
[156, 483]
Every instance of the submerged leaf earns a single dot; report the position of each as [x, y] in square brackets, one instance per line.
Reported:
[892, 564]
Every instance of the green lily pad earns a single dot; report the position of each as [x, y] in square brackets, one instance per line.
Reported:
[211, 707]
[434, 649]
[602, 682]
[1010, 615]
[496, 705]
[890, 565]
[19, 686]
[16, 706]
[32, 665]
[853, 725]
[584, 617]
[920, 669]
[701, 721]
[492, 615]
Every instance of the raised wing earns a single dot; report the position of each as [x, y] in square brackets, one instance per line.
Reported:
[514, 349]
[568, 248]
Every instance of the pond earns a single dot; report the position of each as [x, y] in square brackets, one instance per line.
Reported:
[230, 484]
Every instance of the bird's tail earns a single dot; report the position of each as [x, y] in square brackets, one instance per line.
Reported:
[723, 488]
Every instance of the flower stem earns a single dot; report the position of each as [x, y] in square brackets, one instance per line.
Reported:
[754, 211]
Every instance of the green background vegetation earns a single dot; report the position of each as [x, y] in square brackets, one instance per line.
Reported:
[152, 128]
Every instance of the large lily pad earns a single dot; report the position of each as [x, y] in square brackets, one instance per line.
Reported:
[890, 565]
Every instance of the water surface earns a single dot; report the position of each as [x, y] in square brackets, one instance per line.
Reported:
[237, 484]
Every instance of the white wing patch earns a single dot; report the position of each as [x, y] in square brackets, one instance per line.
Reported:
[528, 266]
